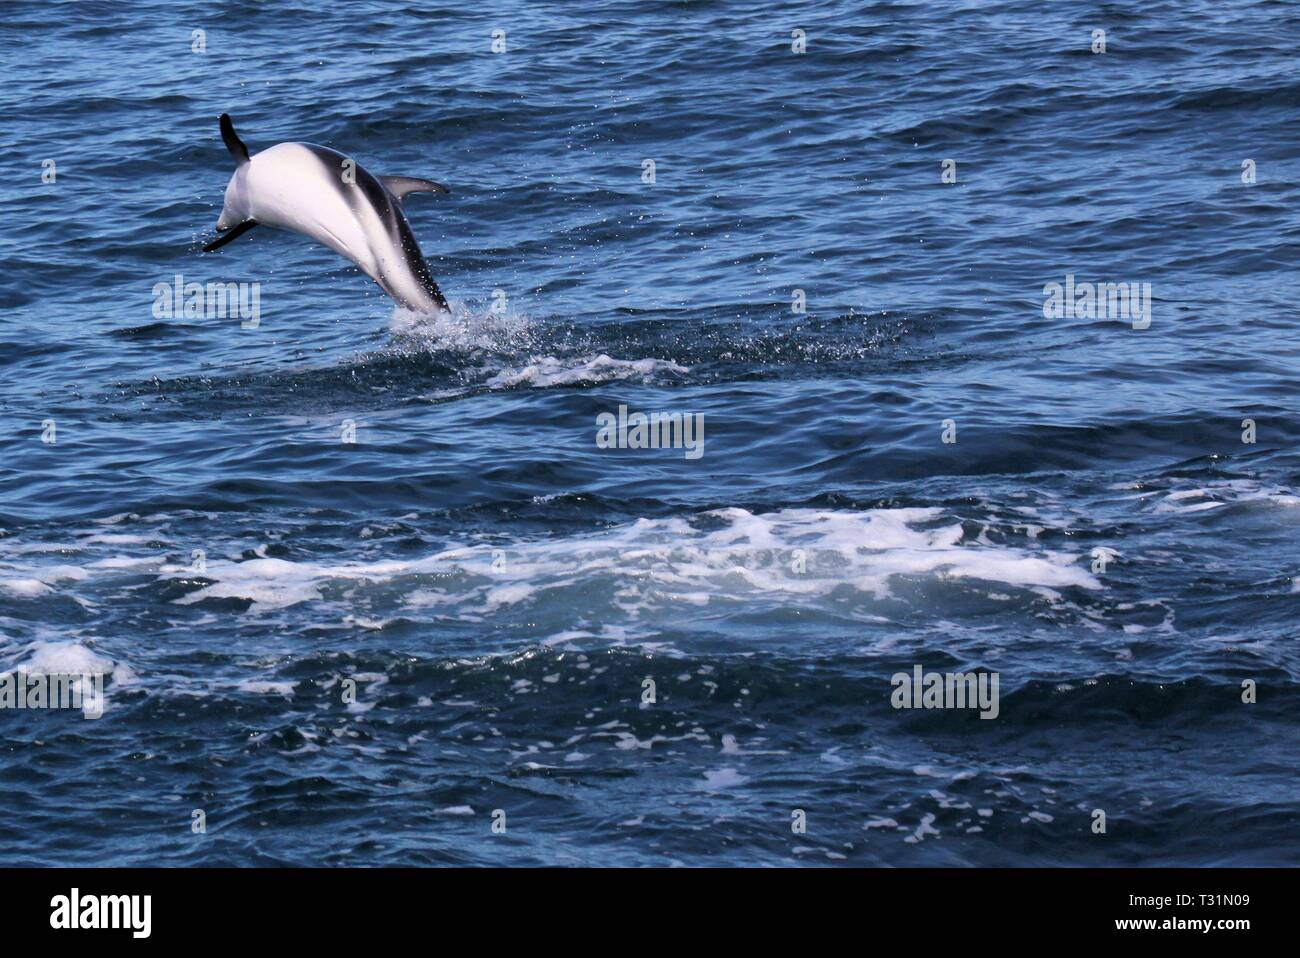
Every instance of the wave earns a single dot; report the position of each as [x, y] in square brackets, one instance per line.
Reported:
[647, 568]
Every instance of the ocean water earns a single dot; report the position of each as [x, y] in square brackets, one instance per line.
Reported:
[371, 652]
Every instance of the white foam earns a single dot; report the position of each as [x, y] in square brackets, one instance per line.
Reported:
[66, 658]
[1216, 494]
[38, 580]
[508, 353]
[550, 371]
[644, 569]
[269, 583]
[726, 554]
[462, 328]
[126, 562]
[23, 548]
[721, 779]
[263, 687]
[24, 586]
[117, 538]
[925, 828]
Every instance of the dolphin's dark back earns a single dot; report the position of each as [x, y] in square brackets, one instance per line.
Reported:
[367, 190]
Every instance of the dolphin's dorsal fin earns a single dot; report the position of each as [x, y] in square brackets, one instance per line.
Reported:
[233, 143]
[399, 186]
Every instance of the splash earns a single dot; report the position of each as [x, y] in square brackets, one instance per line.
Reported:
[461, 329]
[504, 350]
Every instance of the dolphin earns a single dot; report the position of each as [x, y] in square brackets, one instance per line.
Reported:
[323, 194]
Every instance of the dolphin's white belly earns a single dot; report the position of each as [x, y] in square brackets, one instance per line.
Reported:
[289, 187]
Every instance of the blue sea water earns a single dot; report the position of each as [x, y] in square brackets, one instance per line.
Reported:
[498, 588]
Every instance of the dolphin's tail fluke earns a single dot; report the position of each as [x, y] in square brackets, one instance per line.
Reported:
[233, 143]
[233, 234]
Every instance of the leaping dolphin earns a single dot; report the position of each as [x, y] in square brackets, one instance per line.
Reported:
[323, 194]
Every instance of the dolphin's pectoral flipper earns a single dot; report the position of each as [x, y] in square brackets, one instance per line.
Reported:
[399, 186]
[233, 143]
[233, 234]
